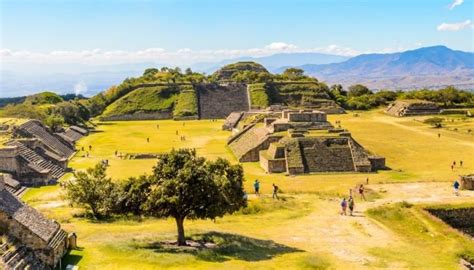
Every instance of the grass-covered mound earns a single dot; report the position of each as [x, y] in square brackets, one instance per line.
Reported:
[241, 71]
[186, 104]
[258, 96]
[43, 98]
[145, 99]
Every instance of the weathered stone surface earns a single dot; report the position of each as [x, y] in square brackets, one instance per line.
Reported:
[402, 108]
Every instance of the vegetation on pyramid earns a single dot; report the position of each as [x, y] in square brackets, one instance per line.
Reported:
[242, 72]
[187, 103]
[144, 99]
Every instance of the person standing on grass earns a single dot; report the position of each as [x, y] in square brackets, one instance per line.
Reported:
[275, 192]
[460, 163]
[351, 205]
[256, 187]
[344, 207]
[362, 192]
[147, 140]
[456, 187]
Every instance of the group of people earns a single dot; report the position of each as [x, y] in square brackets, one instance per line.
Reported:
[453, 165]
[256, 187]
[350, 203]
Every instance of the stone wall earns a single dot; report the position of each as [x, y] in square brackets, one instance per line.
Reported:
[272, 165]
[459, 218]
[140, 116]
[218, 101]
[8, 161]
[467, 182]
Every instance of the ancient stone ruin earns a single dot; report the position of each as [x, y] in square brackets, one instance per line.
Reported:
[218, 100]
[36, 156]
[28, 239]
[300, 141]
[467, 182]
[402, 108]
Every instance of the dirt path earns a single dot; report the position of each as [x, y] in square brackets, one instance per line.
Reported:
[349, 238]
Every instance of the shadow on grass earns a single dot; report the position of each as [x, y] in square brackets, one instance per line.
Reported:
[72, 259]
[221, 247]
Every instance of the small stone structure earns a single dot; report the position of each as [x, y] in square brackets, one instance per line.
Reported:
[301, 141]
[467, 182]
[402, 108]
[37, 156]
[33, 241]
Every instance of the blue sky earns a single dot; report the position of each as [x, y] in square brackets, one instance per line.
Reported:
[117, 31]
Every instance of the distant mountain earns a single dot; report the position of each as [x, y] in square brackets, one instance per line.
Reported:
[274, 62]
[425, 67]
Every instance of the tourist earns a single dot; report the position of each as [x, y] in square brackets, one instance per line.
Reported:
[456, 187]
[147, 140]
[362, 191]
[90, 147]
[256, 187]
[460, 163]
[275, 192]
[454, 163]
[439, 135]
[351, 205]
[452, 167]
[343, 207]
[177, 132]
[82, 149]
[367, 181]
[116, 152]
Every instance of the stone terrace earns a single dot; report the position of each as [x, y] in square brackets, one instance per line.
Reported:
[218, 101]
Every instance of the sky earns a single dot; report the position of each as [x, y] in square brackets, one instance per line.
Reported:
[188, 31]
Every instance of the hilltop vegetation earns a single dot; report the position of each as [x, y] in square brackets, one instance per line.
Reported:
[54, 110]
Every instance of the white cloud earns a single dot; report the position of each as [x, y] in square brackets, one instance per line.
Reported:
[455, 26]
[182, 56]
[280, 46]
[455, 3]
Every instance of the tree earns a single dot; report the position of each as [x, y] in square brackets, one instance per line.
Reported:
[358, 90]
[434, 121]
[293, 73]
[54, 121]
[187, 186]
[92, 189]
[150, 71]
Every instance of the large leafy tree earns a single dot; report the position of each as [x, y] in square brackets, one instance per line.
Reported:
[184, 185]
[93, 190]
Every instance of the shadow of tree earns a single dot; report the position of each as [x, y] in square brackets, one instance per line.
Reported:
[220, 247]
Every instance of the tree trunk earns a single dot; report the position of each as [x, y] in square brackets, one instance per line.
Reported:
[181, 238]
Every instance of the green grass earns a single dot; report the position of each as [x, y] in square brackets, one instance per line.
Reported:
[187, 104]
[147, 99]
[258, 96]
[423, 235]
[300, 232]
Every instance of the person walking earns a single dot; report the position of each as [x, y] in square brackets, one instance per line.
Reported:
[351, 205]
[460, 163]
[256, 187]
[344, 207]
[275, 192]
[456, 187]
[362, 192]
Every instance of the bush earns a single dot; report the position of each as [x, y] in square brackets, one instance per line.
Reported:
[434, 121]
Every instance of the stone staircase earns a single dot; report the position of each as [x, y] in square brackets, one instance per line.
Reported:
[217, 102]
[36, 129]
[21, 258]
[327, 155]
[37, 162]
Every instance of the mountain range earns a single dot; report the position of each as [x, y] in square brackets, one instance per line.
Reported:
[431, 67]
